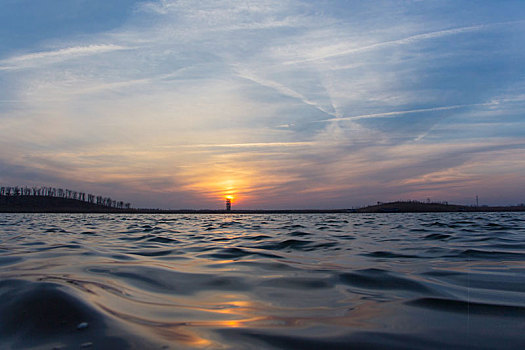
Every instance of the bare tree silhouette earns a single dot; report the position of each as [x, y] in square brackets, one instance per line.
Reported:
[62, 193]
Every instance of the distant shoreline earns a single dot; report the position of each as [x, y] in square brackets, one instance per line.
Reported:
[252, 212]
[49, 205]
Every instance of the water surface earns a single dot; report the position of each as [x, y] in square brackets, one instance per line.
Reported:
[316, 281]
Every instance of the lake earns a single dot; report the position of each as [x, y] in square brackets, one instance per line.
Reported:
[313, 281]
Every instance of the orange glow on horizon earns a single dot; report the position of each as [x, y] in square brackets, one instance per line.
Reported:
[229, 189]
[233, 185]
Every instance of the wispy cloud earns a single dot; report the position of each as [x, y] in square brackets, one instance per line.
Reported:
[45, 57]
[251, 145]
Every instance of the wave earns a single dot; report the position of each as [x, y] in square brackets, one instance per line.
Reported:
[396, 281]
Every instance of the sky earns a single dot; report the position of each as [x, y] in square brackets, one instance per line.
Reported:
[279, 103]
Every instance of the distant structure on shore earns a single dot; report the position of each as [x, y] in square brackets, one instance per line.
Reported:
[19, 191]
[425, 207]
[228, 204]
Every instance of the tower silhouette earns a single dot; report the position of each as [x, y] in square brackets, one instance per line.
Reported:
[228, 204]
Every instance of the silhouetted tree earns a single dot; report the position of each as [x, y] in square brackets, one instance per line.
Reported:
[62, 193]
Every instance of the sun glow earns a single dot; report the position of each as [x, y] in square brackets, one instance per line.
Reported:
[218, 186]
[229, 190]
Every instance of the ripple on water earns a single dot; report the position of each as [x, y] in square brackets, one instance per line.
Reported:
[9, 260]
[237, 253]
[438, 236]
[366, 281]
[468, 307]
[295, 244]
[153, 253]
[479, 254]
[160, 239]
[170, 282]
[381, 279]
[299, 233]
[391, 255]
[302, 283]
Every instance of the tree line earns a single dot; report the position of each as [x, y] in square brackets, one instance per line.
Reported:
[63, 193]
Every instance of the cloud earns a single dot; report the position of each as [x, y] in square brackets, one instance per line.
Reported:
[252, 145]
[55, 56]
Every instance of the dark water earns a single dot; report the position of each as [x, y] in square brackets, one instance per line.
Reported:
[359, 281]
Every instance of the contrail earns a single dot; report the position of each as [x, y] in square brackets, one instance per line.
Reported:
[394, 113]
[281, 89]
[404, 41]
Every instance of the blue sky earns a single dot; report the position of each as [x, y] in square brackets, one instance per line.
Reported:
[285, 104]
